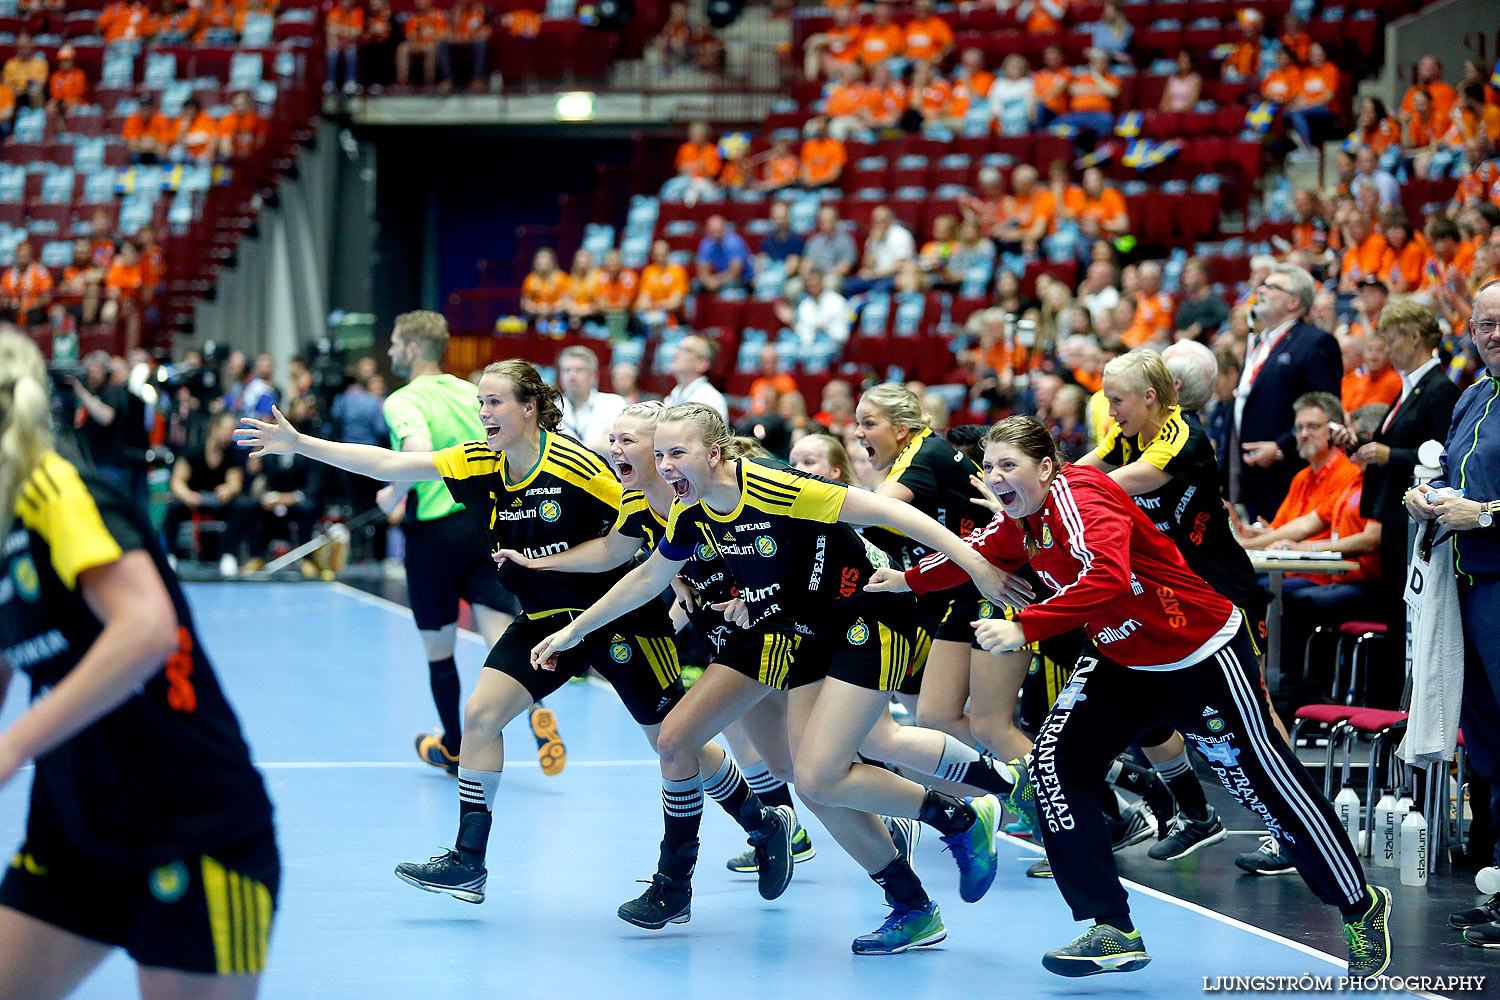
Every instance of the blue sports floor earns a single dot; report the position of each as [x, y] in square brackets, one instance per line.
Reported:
[330, 684]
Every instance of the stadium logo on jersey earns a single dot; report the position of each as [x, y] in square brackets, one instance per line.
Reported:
[986, 609]
[859, 633]
[23, 574]
[705, 552]
[550, 510]
[1046, 537]
[1216, 725]
[169, 883]
[619, 652]
[765, 545]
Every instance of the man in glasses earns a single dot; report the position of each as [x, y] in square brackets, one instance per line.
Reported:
[1287, 358]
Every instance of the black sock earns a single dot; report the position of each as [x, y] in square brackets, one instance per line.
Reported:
[682, 812]
[945, 813]
[1179, 776]
[443, 675]
[901, 884]
[727, 787]
[1121, 923]
[963, 764]
[1108, 802]
[1129, 776]
[677, 863]
[770, 789]
[476, 799]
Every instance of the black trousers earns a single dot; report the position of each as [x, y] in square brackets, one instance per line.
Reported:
[1217, 705]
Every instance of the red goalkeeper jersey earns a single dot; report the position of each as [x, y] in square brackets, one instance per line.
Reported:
[1113, 572]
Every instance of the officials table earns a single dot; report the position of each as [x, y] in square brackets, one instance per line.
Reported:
[1276, 568]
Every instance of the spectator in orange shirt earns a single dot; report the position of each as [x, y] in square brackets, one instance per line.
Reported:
[986, 208]
[527, 23]
[242, 131]
[25, 289]
[198, 138]
[1365, 252]
[1243, 61]
[25, 73]
[1294, 37]
[825, 51]
[1376, 380]
[698, 160]
[215, 22]
[153, 263]
[1284, 82]
[1098, 210]
[881, 38]
[615, 285]
[1042, 17]
[779, 168]
[930, 97]
[177, 22]
[81, 286]
[823, 158]
[1403, 272]
[68, 87]
[887, 98]
[543, 293]
[1153, 310]
[664, 288]
[1027, 212]
[425, 30]
[125, 21]
[1328, 474]
[344, 27]
[1091, 95]
[7, 111]
[579, 300]
[471, 27]
[970, 79]
[1313, 105]
[928, 36]
[1374, 128]
[849, 101]
[143, 129]
[1430, 79]
[1423, 132]
[123, 287]
[1051, 84]
[101, 243]
[1470, 114]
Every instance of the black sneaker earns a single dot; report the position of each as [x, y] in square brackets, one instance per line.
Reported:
[1486, 912]
[665, 901]
[802, 850]
[1101, 949]
[1484, 935]
[1187, 836]
[1134, 825]
[447, 873]
[773, 852]
[1369, 937]
[1040, 869]
[1268, 859]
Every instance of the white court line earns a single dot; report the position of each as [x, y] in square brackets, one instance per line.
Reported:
[1223, 918]
[335, 765]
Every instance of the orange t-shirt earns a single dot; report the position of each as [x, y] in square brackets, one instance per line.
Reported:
[1025, 211]
[468, 25]
[581, 287]
[184, 22]
[1359, 388]
[885, 106]
[1383, 136]
[128, 279]
[199, 134]
[660, 284]
[1407, 263]
[1109, 207]
[975, 86]
[618, 292]
[936, 98]
[545, 292]
[218, 14]
[244, 132]
[1311, 490]
[1281, 85]
[780, 171]
[1433, 128]
[877, 43]
[1298, 45]
[1475, 184]
[1341, 514]
[1084, 94]
[522, 23]
[68, 86]
[847, 99]
[698, 159]
[783, 382]
[127, 23]
[1320, 84]
[1045, 81]
[153, 268]
[926, 37]
[1468, 128]
[347, 22]
[1443, 98]
[28, 287]
[1244, 60]
[822, 159]
[1367, 258]
[1039, 22]
[7, 101]
[425, 29]
[843, 43]
[1153, 320]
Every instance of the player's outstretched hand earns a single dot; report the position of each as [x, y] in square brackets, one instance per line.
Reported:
[996, 635]
[274, 437]
[734, 610]
[544, 653]
[888, 580]
[510, 555]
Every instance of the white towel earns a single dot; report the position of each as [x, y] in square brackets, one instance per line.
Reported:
[1435, 651]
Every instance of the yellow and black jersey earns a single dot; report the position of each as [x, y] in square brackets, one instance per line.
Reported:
[567, 498]
[784, 545]
[167, 773]
[704, 571]
[1187, 509]
[938, 476]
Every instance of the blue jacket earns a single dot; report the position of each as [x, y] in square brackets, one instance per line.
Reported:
[1471, 461]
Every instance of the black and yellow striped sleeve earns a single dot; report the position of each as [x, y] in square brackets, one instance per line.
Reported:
[632, 506]
[580, 467]
[1113, 449]
[466, 460]
[1169, 443]
[57, 505]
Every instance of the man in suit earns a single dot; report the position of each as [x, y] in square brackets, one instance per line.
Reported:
[1285, 360]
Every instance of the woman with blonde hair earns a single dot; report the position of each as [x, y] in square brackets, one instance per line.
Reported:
[823, 455]
[122, 816]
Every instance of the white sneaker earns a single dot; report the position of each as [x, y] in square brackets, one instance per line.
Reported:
[228, 566]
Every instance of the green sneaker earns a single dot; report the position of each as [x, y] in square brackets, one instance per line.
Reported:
[1368, 937]
[974, 850]
[1022, 798]
[903, 930]
[1101, 949]
[802, 850]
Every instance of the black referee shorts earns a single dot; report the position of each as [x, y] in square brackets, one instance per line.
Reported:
[446, 559]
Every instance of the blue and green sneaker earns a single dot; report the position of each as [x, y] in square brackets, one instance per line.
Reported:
[974, 850]
[903, 930]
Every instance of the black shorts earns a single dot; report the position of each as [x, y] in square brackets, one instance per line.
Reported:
[637, 654]
[446, 560]
[864, 641]
[771, 653]
[946, 620]
[208, 913]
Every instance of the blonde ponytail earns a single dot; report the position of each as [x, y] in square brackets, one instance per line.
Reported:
[24, 407]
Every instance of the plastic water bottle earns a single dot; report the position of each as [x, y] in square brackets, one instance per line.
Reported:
[1414, 849]
[1384, 827]
[1487, 880]
[1404, 805]
[1346, 804]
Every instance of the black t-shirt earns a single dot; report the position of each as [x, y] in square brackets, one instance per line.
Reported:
[105, 442]
[1188, 508]
[204, 475]
[937, 474]
[165, 774]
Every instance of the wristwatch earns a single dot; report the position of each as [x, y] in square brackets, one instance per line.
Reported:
[1487, 513]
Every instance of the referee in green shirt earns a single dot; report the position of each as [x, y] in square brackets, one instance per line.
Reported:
[445, 558]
